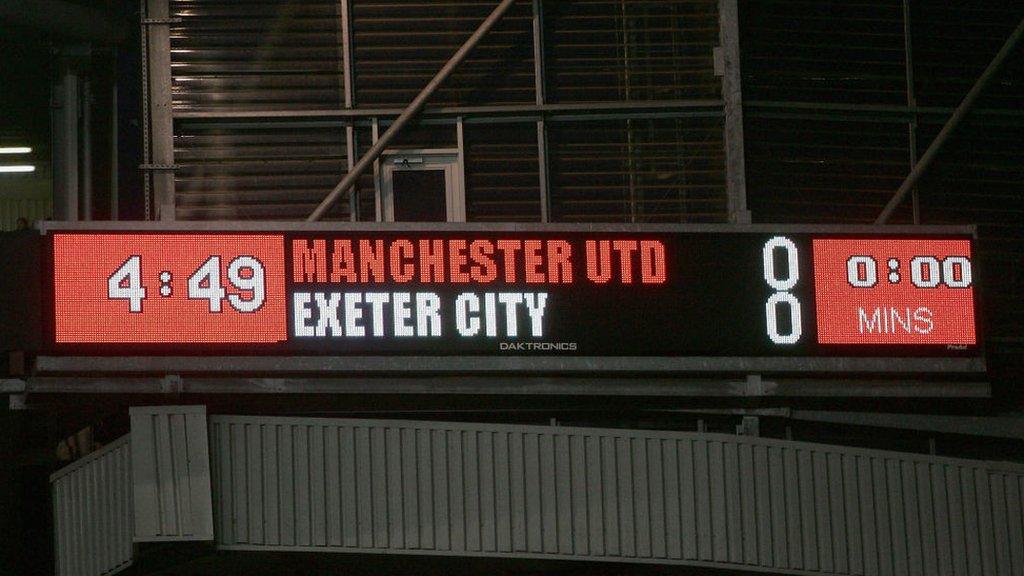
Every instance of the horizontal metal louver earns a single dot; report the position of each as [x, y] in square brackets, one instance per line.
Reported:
[630, 50]
[665, 170]
[399, 45]
[803, 170]
[502, 173]
[256, 55]
[823, 51]
[953, 42]
[268, 172]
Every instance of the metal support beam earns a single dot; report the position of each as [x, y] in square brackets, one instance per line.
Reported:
[85, 158]
[992, 426]
[958, 116]
[113, 141]
[65, 143]
[160, 120]
[908, 60]
[735, 164]
[410, 112]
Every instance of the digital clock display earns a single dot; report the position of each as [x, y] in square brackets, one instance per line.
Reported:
[477, 292]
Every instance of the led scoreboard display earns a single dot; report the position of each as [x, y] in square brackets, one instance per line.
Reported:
[616, 291]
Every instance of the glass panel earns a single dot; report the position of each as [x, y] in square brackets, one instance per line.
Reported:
[419, 195]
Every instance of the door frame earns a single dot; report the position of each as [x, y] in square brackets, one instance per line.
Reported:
[447, 160]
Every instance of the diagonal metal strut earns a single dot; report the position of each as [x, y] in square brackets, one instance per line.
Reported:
[410, 111]
[954, 121]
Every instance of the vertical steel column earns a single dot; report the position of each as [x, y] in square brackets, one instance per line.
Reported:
[911, 102]
[349, 89]
[541, 98]
[85, 158]
[627, 96]
[378, 207]
[160, 118]
[65, 144]
[113, 139]
[735, 168]
[458, 207]
[410, 111]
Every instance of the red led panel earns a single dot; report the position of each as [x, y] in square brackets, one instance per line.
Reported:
[169, 288]
[894, 291]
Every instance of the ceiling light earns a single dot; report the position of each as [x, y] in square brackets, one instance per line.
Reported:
[15, 150]
[17, 168]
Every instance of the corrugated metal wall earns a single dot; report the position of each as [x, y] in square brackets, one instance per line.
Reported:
[256, 172]
[92, 512]
[171, 474]
[664, 170]
[256, 55]
[274, 58]
[675, 498]
[31, 209]
[630, 50]
[502, 173]
[399, 46]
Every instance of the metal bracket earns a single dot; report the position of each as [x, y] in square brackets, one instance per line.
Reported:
[159, 21]
[172, 384]
[157, 167]
[750, 426]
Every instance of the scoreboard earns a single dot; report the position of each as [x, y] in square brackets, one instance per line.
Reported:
[526, 291]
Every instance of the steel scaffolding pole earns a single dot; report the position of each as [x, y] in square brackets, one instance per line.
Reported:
[954, 121]
[410, 112]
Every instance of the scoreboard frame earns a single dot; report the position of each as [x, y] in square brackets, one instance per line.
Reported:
[413, 364]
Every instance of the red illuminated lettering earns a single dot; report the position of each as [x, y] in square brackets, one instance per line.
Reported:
[457, 260]
[343, 264]
[431, 260]
[508, 250]
[531, 253]
[559, 263]
[371, 260]
[309, 264]
[484, 270]
[599, 261]
[401, 269]
[626, 249]
[652, 262]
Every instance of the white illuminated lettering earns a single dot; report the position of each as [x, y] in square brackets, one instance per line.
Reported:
[403, 314]
[490, 315]
[782, 287]
[428, 314]
[465, 305]
[925, 272]
[773, 321]
[956, 272]
[327, 304]
[300, 302]
[535, 304]
[862, 271]
[793, 270]
[511, 300]
[377, 300]
[869, 323]
[353, 314]
[923, 321]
